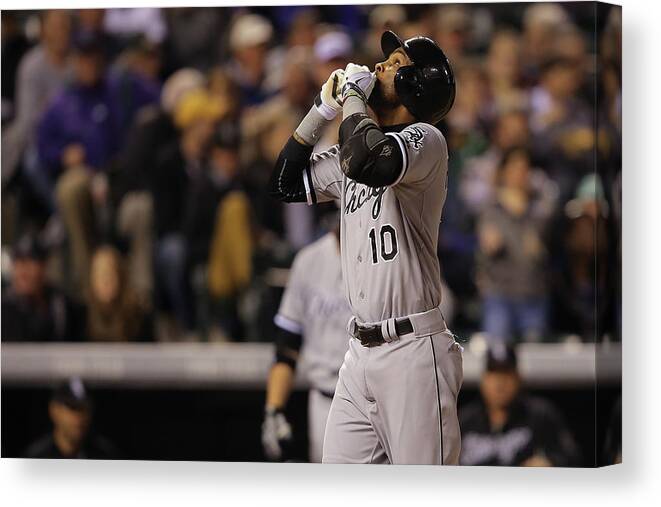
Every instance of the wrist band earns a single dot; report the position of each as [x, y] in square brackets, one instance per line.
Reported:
[311, 127]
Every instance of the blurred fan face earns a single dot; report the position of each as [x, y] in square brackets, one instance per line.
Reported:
[562, 81]
[512, 130]
[204, 130]
[56, 30]
[88, 68]
[504, 57]
[28, 277]
[148, 64]
[253, 57]
[539, 38]
[71, 423]
[297, 84]
[499, 388]
[225, 163]
[581, 236]
[474, 91]
[516, 172]
[105, 278]
[303, 29]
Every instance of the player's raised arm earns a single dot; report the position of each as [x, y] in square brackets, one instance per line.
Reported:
[367, 154]
[287, 181]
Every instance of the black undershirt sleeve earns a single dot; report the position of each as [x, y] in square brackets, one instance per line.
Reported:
[286, 183]
[287, 346]
[367, 155]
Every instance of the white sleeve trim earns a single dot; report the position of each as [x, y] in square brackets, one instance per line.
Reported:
[308, 186]
[288, 324]
[405, 158]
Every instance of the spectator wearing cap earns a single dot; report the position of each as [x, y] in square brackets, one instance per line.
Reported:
[70, 410]
[137, 71]
[332, 50]
[280, 111]
[249, 40]
[152, 131]
[218, 228]
[42, 73]
[178, 166]
[512, 256]
[33, 310]
[507, 427]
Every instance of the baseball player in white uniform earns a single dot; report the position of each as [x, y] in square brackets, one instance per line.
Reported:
[396, 396]
[311, 324]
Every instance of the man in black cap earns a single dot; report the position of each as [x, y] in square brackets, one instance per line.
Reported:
[32, 310]
[70, 410]
[509, 428]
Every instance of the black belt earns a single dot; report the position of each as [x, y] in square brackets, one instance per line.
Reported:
[371, 336]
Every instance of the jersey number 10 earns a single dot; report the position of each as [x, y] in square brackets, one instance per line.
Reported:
[388, 240]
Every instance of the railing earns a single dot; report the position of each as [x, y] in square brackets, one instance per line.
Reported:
[245, 365]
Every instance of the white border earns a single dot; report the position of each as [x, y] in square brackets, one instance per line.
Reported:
[71, 484]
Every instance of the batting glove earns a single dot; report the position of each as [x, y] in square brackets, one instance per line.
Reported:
[359, 82]
[276, 434]
[329, 100]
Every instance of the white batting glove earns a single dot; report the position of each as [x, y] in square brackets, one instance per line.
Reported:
[329, 100]
[359, 81]
[276, 434]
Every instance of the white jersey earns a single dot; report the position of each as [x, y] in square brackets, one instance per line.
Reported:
[314, 306]
[389, 235]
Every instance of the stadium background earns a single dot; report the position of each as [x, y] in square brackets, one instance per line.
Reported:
[547, 77]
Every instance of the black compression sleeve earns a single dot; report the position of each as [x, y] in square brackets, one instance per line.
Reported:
[287, 346]
[367, 155]
[286, 183]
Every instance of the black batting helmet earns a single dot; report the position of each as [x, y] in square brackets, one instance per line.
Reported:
[427, 87]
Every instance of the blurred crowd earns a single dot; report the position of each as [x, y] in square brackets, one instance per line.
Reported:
[137, 145]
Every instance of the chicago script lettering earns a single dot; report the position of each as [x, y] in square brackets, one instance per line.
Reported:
[357, 195]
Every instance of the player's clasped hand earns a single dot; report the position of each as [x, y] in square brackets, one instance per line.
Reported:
[276, 435]
[359, 81]
[330, 97]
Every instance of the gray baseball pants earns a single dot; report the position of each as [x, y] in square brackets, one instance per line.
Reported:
[397, 402]
[318, 409]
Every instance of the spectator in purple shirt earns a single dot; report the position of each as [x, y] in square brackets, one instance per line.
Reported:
[87, 119]
[78, 137]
